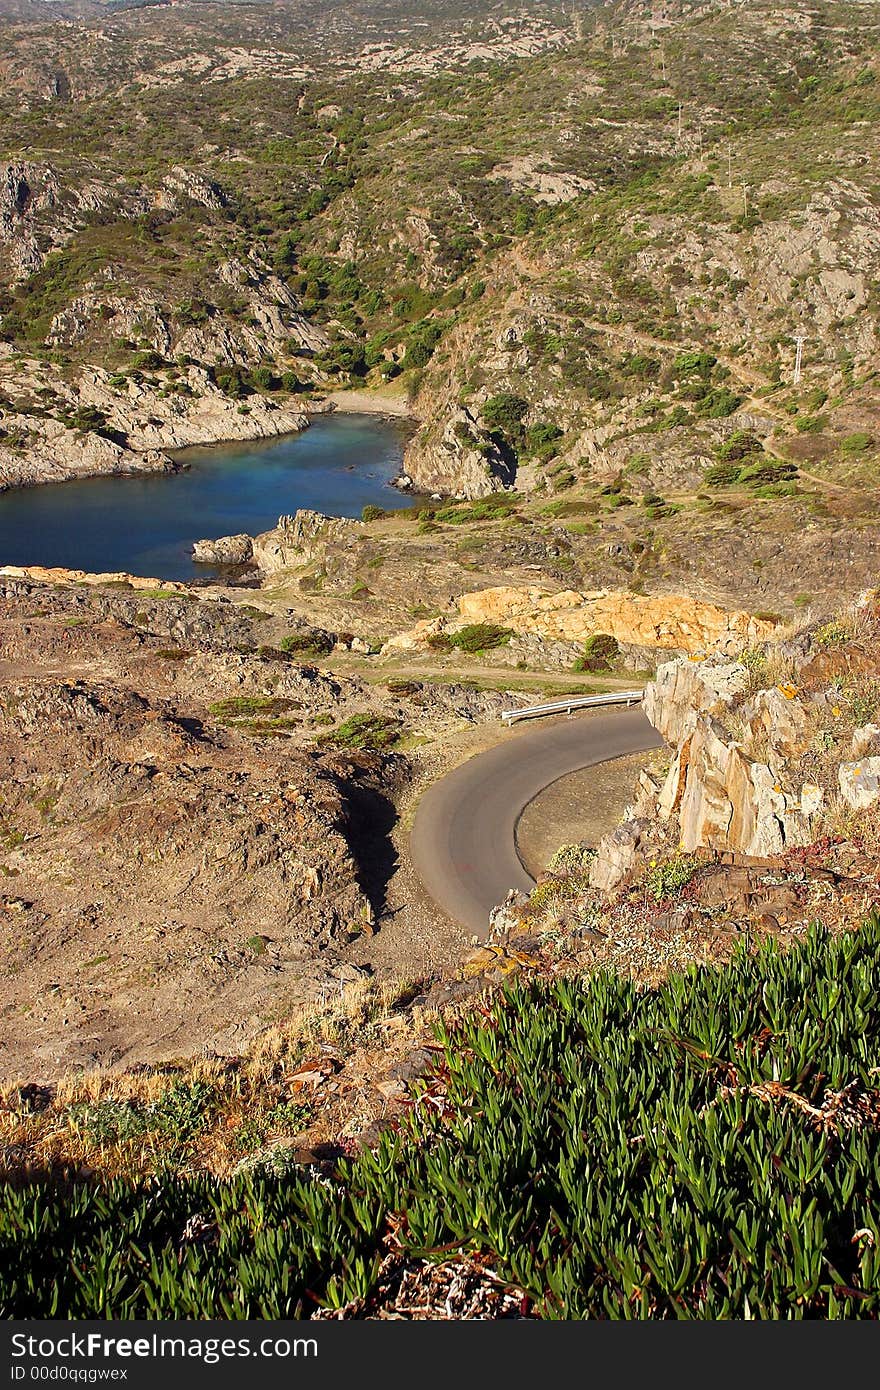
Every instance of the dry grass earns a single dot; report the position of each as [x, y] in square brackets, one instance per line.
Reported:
[207, 1113]
[862, 827]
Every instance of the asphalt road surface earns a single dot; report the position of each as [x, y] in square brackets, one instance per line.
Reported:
[463, 842]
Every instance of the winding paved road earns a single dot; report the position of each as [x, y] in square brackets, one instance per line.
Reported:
[463, 842]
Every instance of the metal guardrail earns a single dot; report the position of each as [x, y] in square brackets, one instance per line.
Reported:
[616, 697]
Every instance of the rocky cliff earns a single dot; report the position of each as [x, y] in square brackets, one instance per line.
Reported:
[758, 768]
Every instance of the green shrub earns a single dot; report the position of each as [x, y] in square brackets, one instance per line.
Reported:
[721, 474]
[313, 644]
[668, 878]
[705, 1150]
[832, 634]
[741, 445]
[372, 513]
[178, 1114]
[856, 443]
[364, 731]
[690, 364]
[574, 860]
[287, 1117]
[485, 509]
[768, 470]
[601, 650]
[148, 360]
[249, 706]
[264, 378]
[480, 637]
[541, 439]
[810, 424]
[85, 419]
[718, 404]
[505, 412]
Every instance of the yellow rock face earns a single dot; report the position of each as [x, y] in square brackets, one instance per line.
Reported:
[667, 621]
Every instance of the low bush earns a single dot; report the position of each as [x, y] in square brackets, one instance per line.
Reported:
[179, 1114]
[768, 470]
[601, 650]
[312, 644]
[480, 637]
[375, 731]
[250, 707]
[721, 474]
[666, 879]
[856, 443]
[709, 1149]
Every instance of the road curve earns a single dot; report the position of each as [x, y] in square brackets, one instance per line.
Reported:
[463, 841]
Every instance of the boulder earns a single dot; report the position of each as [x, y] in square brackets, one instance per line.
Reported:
[619, 853]
[778, 714]
[682, 690]
[812, 799]
[302, 539]
[227, 550]
[730, 802]
[859, 782]
[865, 741]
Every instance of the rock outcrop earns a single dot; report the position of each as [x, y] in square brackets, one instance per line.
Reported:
[860, 782]
[226, 550]
[301, 539]
[461, 460]
[715, 796]
[681, 691]
[664, 622]
[730, 802]
[106, 425]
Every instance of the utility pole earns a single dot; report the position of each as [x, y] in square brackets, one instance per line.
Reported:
[798, 361]
[729, 165]
[678, 133]
[745, 201]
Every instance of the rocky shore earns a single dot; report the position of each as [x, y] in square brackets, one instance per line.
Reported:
[100, 427]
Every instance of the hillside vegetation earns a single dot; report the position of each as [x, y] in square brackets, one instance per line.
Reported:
[579, 246]
[708, 1150]
[582, 246]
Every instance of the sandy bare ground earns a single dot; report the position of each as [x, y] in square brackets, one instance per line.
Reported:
[371, 403]
[577, 809]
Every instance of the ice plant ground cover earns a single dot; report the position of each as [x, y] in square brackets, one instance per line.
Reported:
[708, 1149]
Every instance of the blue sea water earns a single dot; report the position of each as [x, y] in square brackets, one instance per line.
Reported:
[147, 524]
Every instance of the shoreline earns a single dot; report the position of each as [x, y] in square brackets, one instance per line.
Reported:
[395, 405]
[171, 459]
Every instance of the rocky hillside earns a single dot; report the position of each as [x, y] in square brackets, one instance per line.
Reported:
[764, 817]
[771, 754]
[583, 252]
[195, 819]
